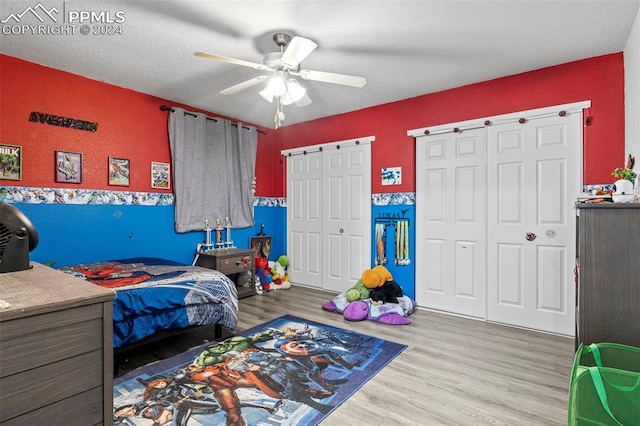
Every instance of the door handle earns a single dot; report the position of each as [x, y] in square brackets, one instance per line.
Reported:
[530, 236]
[341, 230]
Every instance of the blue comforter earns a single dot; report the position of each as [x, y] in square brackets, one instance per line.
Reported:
[156, 294]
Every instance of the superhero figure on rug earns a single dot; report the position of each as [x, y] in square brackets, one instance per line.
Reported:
[251, 368]
[316, 353]
[290, 367]
[170, 399]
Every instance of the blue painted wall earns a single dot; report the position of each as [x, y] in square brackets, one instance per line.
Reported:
[402, 274]
[75, 233]
[80, 233]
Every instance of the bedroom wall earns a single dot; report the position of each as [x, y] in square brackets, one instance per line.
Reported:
[599, 79]
[132, 126]
[93, 220]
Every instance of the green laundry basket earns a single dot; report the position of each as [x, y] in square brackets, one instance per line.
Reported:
[605, 386]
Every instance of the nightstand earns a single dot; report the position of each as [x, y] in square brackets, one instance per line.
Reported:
[231, 262]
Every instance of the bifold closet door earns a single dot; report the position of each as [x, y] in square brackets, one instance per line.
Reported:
[533, 179]
[495, 236]
[347, 215]
[451, 222]
[304, 217]
[329, 214]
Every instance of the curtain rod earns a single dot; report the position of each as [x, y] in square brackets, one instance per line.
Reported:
[166, 108]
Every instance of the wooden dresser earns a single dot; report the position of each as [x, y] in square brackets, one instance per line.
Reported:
[608, 284]
[56, 349]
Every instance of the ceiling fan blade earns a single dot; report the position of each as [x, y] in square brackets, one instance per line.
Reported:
[254, 65]
[297, 49]
[244, 85]
[329, 77]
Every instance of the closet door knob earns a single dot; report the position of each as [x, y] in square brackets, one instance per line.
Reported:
[530, 236]
[341, 230]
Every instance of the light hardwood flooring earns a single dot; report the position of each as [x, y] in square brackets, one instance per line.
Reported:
[454, 371]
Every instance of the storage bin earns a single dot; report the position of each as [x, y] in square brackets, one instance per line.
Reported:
[605, 386]
[610, 355]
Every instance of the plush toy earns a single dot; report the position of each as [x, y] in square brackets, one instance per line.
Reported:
[386, 293]
[263, 273]
[358, 292]
[275, 272]
[356, 311]
[388, 313]
[284, 261]
[384, 273]
[279, 275]
[372, 278]
[374, 297]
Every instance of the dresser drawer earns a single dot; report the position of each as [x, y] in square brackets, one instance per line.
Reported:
[86, 407]
[233, 264]
[26, 352]
[42, 386]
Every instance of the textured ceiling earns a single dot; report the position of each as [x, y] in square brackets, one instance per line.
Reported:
[403, 48]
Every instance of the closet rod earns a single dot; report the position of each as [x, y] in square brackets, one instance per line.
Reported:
[166, 108]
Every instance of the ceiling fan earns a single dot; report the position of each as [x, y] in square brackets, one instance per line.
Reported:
[282, 88]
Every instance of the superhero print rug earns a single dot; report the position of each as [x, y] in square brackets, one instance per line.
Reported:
[288, 371]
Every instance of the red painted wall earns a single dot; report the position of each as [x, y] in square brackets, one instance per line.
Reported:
[130, 125]
[599, 79]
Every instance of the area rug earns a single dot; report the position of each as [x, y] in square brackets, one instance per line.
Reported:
[288, 371]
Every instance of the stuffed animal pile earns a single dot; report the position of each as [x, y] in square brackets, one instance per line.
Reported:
[273, 275]
[376, 296]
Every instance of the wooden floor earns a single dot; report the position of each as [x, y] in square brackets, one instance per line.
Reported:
[455, 371]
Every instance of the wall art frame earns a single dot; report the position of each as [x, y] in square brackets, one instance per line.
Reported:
[68, 167]
[391, 175]
[160, 175]
[119, 171]
[10, 162]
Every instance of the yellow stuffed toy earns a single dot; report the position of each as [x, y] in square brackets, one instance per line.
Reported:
[372, 278]
[379, 282]
[384, 273]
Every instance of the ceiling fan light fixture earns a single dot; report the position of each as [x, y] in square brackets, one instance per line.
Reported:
[295, 90]
[266, 94]
[286, 99]
[281, 89]
[277, 85]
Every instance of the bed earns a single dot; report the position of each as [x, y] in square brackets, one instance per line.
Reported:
[155, 297]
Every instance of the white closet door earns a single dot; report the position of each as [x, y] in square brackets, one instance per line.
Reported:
[451, 222]
[329, 213]
[347, 215]
[304, 218]
[533, 180]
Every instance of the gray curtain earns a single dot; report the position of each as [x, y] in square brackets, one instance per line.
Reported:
[213, 167]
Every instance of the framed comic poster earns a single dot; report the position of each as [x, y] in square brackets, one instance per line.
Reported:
[160, 175]
[68, 167]
[10, 162]
[119, 171]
